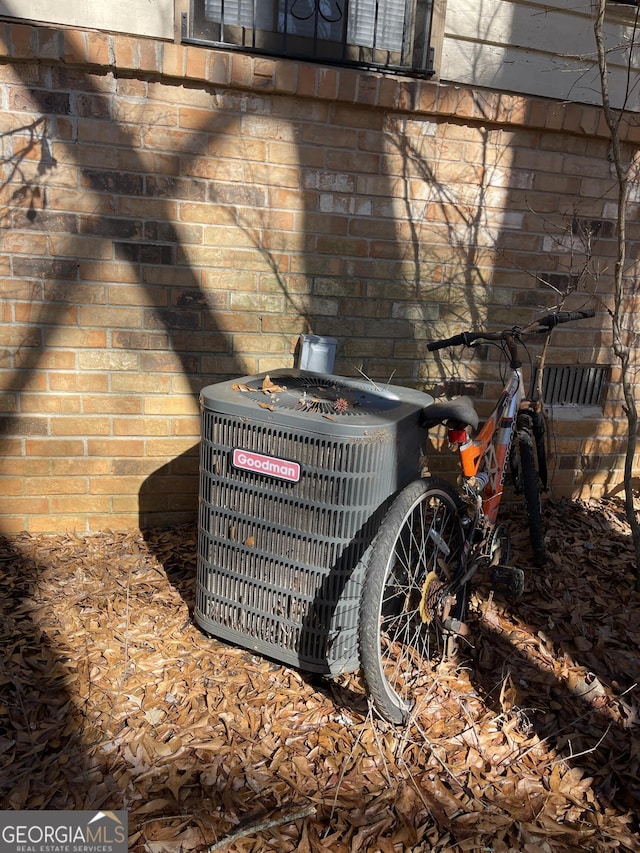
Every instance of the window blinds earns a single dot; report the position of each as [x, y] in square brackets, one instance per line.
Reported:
[371, 23]
[377, 24]
[252, 14]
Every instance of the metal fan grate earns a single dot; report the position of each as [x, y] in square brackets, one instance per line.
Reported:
[320, 395]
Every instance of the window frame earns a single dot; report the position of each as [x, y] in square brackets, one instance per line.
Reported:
[433, 17]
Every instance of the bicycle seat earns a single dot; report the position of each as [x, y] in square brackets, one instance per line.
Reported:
[460, 411]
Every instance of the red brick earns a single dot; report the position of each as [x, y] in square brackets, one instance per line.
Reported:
[263, 77]
[537, 112]
[196, 62]
[368, 90]
[286, 76]
[115, 448]
[397, 94]
[555, 115]
[347, 85]
[50, 43]
[447, 100]
[427, 97]
[54, 447]
[173, 60]
[327, 83]
[126, 52]
[99, 49]
[241, 69]
[22, 38]
[74, 48]
[57, 523]
[589, 119]
[10, 524]
[113, 521]
[306, 85]
[150, 53]
[5, 36]
[219, 67]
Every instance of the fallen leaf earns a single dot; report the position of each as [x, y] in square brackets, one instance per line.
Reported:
[270, 387]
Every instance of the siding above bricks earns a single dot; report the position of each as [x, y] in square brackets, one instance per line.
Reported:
[175, 215]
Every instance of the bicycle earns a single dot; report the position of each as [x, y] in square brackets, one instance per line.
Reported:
[435, 537]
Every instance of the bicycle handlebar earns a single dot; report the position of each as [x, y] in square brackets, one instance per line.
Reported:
[542, 324]
[464, 338]
[551, 320]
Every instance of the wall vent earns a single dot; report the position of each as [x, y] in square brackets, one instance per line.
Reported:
[574, 385]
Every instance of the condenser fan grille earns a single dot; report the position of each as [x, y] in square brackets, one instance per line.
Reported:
[319, 395]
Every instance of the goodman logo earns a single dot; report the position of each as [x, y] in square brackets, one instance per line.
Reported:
[269, 465]
[63, 832]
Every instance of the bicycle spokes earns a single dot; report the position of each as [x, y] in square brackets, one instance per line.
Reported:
[417, 601]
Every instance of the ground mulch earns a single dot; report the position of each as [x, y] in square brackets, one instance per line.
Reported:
[111, 698]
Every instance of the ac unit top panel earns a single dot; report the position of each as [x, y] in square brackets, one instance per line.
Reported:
[314, 402]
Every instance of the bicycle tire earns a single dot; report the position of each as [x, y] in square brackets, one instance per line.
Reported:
[405, 598]
[531, 490]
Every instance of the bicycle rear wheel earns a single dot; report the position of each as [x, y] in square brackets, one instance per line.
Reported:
[407, 609]
[530, 488]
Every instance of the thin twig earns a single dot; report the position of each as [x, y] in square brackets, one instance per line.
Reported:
[368, 378]
[292, 817]
[566, 758]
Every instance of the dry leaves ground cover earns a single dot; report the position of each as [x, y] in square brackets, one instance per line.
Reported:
[112, 698]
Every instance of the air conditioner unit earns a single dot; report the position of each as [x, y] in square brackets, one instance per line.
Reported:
[297, 469]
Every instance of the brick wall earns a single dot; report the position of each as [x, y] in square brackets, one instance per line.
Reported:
[172, 216]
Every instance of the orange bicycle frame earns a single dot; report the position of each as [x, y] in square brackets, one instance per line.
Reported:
[489, 450]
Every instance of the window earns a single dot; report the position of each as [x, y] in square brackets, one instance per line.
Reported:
[392, 35]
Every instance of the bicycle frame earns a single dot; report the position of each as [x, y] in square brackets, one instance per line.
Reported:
[488, 452]
[417, 590]
[484, 461]
[484, 458]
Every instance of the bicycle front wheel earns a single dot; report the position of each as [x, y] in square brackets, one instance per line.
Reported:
[531, 489]
[407, 607]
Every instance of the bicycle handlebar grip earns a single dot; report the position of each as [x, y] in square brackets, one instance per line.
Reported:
[455, 341]
[579, 315]
[464, 338]
[552, 320]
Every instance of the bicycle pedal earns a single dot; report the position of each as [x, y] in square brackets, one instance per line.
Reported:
[508, 580]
